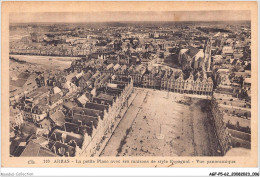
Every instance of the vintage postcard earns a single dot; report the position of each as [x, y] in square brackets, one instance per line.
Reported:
[129, 84]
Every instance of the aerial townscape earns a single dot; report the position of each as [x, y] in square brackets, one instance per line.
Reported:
[130, 88]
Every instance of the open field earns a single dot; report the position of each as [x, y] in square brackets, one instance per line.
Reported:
[63, 62]
[157, 124]
[15, 68]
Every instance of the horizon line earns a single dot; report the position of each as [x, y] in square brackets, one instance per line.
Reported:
[138, 21]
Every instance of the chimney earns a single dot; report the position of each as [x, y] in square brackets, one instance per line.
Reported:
[118, 59]
[55, 136]
[55, 150]
[68, 154]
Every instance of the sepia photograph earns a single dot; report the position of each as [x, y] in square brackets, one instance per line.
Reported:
[130, 88]
[110, 84]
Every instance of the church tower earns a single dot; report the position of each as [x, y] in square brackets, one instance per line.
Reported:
[207, 58]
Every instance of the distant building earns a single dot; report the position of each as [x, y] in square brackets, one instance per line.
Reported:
[83, 80]
[21, 85]
[247, 86]
[191, 58]
[227, 51]
[66, 144]
[16, 117]
[40, 81]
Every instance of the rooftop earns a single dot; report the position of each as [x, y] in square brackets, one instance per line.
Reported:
[105, 97]
[192, 51]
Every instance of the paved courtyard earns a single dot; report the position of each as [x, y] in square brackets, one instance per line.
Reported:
[160, 123]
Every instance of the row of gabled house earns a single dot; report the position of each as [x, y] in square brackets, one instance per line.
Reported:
[101, 121]
[49, 107]
[198, 83]
[232, 120]
[231, 107]
[175, 82]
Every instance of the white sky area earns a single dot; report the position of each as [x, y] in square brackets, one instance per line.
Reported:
[129, 16]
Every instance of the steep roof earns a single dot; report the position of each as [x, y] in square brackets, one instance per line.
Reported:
[192, 51]
[55, 97]
[182, 51]
[46, 153]
[68, 85]
[105, 79]
[210, 79]
[86, 76]
[69, 104]
[28, 128]
[117, 66]
[105, 97]
[86, 119]
[191, 77]
[96, 106]
[179, 75]
[83, 99]
[35, 150]
[79, 75]
[110, 65]
[70, 76]
[124, 67]
[31, 150]
[56, 90]
[58, 118]
[57, 135]
[87, 111]
[46, 123]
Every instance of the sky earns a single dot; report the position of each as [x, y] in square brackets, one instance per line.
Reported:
[68, 17]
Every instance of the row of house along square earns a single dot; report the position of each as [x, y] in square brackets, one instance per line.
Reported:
[69, 116]
[174, 80]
